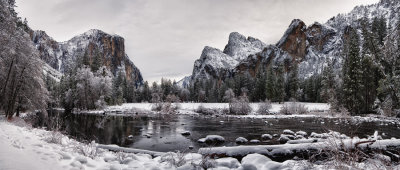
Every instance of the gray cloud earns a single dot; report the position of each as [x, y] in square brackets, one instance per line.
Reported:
[164, 37]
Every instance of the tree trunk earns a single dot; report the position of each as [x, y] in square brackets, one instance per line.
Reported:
[15, 94]
[3, 93]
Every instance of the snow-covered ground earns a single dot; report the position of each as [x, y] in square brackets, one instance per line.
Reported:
[190, 107]
[23, 147]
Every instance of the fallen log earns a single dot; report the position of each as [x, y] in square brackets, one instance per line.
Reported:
[285, 152]
[116, 148]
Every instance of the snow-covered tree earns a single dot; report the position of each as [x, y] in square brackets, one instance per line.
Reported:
[352, 70]
[21, 79]
[328, 92]
[229, 95]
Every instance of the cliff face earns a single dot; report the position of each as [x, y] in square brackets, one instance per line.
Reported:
[90, 47]
[217, 64]
[294, 40]
[308, 46]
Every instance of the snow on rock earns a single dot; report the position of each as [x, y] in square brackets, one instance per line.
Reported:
[241, 140]
[283, 139]
[214, 139]
[213, 63]
[255, 141]
[288, 132]
[228, 162]
[240, 47]
[202, 140]
[258, 161]
[266, 137]
[301, 133]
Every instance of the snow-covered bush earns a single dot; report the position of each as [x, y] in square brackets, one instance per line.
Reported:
[386, 107]
[207, 111]
[229, 95]
[54, 137]
[240, 106]
[293, 108]
[89, 150]
[101, 104]
[264, 107]
[175, 159]
[157, 103]
[171, 104]
[340, 112]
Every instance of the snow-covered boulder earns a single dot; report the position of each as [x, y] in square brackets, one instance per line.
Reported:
[228, 162]
[301, 133]
[288, 132]
[241, 140]
[215, 138]
[254, 141]
[212, 139]
[266, 137]
[258, 161]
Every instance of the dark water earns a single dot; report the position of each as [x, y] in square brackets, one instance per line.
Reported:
[164, 132]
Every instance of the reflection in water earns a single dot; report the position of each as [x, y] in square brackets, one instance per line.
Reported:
[163, 132]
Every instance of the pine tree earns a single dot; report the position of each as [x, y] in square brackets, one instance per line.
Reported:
[97, 61]
[146, 93]
[270, 85]
[117, 89]
[279, 85]
[352, 72]
[328, 84]
[293, 82]
[259, 91]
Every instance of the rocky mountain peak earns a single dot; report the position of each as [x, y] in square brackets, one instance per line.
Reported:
[294, 39]
[213, 63]
[91, 45]
[240, 47]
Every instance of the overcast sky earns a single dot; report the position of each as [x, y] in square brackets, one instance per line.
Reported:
[164, 37]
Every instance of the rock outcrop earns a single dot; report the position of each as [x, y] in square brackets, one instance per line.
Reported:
[310, 47]
[217, 64]
[108, 50]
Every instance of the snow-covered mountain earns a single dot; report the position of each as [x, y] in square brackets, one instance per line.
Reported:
[109, 50]
[308, 46]
[214, 63]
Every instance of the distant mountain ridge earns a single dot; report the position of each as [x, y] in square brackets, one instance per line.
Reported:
[311, 47]
[109, 50]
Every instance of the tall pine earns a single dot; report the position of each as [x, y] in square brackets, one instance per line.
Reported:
[352, 71]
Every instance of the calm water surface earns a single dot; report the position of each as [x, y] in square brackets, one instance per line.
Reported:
[163, 133]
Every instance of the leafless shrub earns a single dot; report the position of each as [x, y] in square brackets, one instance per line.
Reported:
[207, 111]
[340, 156]
[88, 150]
[121, 156]
[240, 106]
[264, 107]
[293, 108]
[206, 162]
[339, 112]
[171, 104]
[54, 137]
[175, 159]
